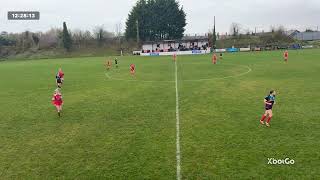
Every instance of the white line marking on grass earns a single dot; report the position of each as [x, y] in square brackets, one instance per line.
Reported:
[225, 77]
[178, 154]
[186, 80]
[135, 80]
[108, 76]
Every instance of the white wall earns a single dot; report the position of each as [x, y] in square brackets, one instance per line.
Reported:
[147, 47]
[178, 53]
[167, 45]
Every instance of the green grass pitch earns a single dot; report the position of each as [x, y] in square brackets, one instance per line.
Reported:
[115, 126]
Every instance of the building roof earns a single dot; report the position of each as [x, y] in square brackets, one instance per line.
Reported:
[194, 38]
[307, 36]
[184, 38]
[291, 33]
[4, 33]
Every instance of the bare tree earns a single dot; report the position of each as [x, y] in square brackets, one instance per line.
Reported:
[87, 38]
[50, 38]
[235, 29]
[27, 39]
[247, 31]
[272, 29]
[281, 29]
[36, 39]
[119, 34]
[118, 30]
[101, 35]
[78, 38]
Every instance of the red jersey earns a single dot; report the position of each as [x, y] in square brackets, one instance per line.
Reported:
[286, 54]
[132, 67]
[57, 99]
[61, 74]
[214, 58]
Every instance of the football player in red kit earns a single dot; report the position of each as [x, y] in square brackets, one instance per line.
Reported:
[132, 69]
[57, 101]
[61, 74]
[214, 58]
[108, 64]
[174, 57]
[286, 56]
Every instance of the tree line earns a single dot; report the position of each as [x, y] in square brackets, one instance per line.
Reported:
[59, 38]
[149, 20]
[241, 37]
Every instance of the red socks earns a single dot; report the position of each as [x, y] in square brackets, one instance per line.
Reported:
[263, 118]
[268, 120]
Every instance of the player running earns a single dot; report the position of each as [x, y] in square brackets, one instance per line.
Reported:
[174, 57]
[286, 56]
[132, 69]
[61, 74]
[58, 81]
[214, 58]
[116, 62]
[269, 101]
[59, 78]
[220, 56]
[108, 64]
[57, 101]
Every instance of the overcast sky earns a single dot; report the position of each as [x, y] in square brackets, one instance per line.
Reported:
[86, 14]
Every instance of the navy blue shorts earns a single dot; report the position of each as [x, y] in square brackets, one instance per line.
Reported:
[268, 107]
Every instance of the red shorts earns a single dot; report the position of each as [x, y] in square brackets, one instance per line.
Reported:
[57, 103]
